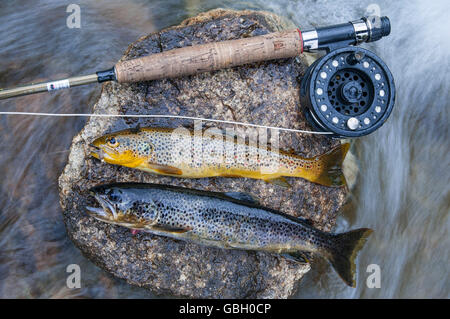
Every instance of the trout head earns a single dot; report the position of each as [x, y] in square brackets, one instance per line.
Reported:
[121, 206]
[126, 148]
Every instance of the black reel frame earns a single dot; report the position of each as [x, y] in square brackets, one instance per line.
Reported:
[349, 91]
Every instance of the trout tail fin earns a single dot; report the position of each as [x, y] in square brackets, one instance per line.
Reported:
[330, 173]
[344, 250]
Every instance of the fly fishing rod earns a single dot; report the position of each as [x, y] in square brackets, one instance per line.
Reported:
[343, 91]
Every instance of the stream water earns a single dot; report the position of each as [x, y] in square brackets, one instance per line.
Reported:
[403, 187]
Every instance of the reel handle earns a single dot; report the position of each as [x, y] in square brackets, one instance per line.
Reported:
[210, 57]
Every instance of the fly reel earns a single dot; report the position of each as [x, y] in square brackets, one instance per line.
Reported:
[350, 90]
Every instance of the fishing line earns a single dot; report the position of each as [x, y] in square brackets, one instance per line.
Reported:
[164, 116]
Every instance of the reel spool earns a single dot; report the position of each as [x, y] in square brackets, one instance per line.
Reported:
[349, 92]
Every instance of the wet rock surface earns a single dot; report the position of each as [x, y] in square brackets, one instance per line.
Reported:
[263, 93]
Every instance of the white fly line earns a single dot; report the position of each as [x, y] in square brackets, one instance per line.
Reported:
[163, 116]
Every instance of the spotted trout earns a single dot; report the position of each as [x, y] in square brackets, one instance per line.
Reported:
[224, 220]
[179, 153]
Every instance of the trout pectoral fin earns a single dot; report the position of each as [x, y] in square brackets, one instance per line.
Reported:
[170, 229]
[165, 169]
[280, 181]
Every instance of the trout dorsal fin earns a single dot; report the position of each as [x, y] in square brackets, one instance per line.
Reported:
[136, 129]
[245, 197]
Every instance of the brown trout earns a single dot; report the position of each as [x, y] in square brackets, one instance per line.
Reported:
[224, 220]
[178, 153]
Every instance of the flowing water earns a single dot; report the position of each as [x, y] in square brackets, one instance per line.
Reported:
[403, 187]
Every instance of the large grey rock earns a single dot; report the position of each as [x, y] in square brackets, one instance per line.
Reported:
[264, 93]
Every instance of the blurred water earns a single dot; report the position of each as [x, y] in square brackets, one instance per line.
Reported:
[403, 187]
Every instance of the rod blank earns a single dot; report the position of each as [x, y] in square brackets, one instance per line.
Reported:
[48, 86]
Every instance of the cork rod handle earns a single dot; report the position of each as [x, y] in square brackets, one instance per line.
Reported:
[210, 56]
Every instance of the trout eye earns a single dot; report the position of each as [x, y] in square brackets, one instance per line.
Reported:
[113, 196]
[112, 142]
